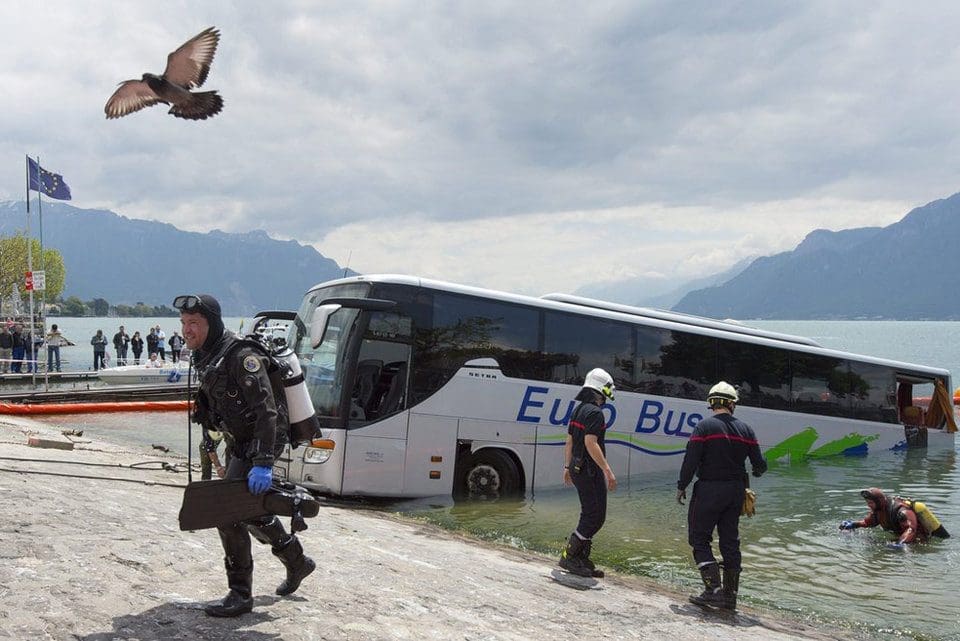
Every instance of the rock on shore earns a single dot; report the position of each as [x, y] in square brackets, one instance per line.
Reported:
[90, 550]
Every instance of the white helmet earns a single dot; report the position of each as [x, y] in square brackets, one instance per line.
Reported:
[598, 379]
[723, 393]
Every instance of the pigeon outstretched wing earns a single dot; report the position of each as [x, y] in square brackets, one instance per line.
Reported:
[130, 96]
[187, 68]
[189, 65]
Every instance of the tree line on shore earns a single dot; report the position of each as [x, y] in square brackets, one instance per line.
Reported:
[74, 307]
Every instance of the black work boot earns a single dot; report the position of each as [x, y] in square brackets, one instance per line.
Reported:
[731, 583]
[240, 598]
[712, 594]
[298, 565]
[571, 559]
[585, 555]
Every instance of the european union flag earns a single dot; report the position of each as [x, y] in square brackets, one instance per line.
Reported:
[47, 182]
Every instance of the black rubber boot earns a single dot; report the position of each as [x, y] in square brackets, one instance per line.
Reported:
[270, 532]
[298, 565]
[731, 584]
[240, 598]
[712, 595]
[585, 555]
[571, 559]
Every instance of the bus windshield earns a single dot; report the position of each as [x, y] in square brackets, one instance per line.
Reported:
[324, 366]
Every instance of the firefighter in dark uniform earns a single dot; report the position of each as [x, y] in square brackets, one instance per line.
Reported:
[586, 468]
[236, 398]
[716, 453]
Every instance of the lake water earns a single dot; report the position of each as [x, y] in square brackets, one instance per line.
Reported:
[795, 560]
[79, 356]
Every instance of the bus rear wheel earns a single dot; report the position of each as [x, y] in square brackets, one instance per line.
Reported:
[489, 474]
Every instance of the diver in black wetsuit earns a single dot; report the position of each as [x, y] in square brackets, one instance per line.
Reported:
[236, 397]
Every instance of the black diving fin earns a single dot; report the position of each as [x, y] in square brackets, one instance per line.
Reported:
[213, 503]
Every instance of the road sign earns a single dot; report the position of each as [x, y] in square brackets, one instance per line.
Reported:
[39, 281]
[28, 282]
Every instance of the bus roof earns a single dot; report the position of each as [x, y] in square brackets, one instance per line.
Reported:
[678, 317]
[682, 322]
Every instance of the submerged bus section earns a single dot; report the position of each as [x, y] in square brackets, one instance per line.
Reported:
[428, 388]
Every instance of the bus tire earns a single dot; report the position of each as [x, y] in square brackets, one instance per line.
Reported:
[489, 473]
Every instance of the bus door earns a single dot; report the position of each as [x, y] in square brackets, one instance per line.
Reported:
[431, 455]
[326, 335]
[376, 437]
[324, 365]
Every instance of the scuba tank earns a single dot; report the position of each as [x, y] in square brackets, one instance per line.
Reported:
[926, 517]
[304, 424]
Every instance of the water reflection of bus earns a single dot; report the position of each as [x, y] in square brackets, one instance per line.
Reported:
[427, 388]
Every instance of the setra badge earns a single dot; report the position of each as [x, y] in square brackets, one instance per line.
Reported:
[251, 364]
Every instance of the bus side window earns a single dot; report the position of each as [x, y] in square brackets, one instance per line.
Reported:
[819, 384]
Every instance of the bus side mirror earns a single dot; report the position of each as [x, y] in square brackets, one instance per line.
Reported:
[318, 326]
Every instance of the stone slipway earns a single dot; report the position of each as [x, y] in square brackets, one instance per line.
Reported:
[102, 559]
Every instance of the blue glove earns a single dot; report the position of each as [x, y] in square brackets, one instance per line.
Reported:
[847, 525]
[259, 479]
[895, 546]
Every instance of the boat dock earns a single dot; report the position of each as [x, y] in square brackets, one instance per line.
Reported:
[46, 379]
[82, 387]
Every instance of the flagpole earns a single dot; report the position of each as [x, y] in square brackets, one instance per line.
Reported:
[43, 292]
[30, 249]
[57, 188]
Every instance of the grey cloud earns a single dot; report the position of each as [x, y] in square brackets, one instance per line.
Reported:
[350, 111]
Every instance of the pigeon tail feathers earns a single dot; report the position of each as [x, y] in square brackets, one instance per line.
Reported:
[201, 106]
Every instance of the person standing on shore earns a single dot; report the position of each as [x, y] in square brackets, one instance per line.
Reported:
[28, 353]
[152, 341]
[161, 344]
[54, 341]
[136, 345]
[6, 349]
[99, 342]
[121, 340]
[16, 334]
[176, 345]
[716, 452]
[236, 397]
[586, 468]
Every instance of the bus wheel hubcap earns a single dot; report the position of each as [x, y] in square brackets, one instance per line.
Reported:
[483, 479]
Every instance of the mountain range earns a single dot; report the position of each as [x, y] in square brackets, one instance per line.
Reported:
[661, 292]
[899, 272]
[126, 260]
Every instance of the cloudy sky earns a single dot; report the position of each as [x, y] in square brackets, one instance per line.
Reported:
[529, 146]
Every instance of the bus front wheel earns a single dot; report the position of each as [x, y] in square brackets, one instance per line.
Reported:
[489, 473]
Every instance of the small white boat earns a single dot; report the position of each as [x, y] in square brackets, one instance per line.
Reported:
[144, 375]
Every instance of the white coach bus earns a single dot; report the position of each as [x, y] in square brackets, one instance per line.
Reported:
[427, 388]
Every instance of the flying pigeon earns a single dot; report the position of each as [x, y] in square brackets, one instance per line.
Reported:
[187, 68]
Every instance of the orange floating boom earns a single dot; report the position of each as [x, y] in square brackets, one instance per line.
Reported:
[82, 408]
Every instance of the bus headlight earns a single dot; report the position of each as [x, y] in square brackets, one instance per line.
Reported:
[319, 450]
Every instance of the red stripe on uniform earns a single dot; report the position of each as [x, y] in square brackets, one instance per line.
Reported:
[578, 425]
[712, 437]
